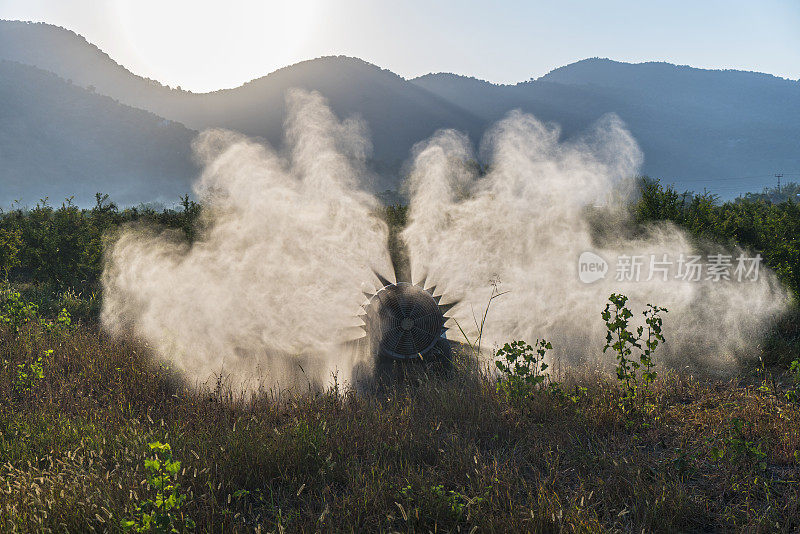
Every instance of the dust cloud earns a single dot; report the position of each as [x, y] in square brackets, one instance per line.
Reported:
[525, 220]
[273, 284]
[270, 289]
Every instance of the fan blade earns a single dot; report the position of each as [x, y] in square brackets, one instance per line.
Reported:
[449, 306]
[382, 279]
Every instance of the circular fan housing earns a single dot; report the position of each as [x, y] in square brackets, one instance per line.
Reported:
[403, 321]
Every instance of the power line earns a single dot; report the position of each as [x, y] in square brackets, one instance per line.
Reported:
[731, 178]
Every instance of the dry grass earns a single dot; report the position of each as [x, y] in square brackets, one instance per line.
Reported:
[431, 454]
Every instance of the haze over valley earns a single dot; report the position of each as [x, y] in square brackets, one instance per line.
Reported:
[74, 122]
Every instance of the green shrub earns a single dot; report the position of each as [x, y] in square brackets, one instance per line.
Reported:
[10, 244]
[754, 222]
[623, 341]
[522, 369]
[28, 374]
[738, 447]
[434, 506]
[62, 247]
[794, 391]
[162, 511]
[15, 312]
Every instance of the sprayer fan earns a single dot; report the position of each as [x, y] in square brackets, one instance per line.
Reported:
[404, 321]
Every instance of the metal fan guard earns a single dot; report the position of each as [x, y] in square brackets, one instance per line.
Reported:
[404, 320]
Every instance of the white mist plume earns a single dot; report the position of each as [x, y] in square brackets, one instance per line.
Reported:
[526, 222]
[275, 279]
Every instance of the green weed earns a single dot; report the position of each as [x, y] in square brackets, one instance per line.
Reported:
[737, 446]
[623, 341]
[522, 369]
[162, 512]
[28, 374]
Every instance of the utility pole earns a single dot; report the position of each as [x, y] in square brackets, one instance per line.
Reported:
[779, 176]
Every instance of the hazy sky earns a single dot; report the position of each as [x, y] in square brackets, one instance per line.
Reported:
[203, 45]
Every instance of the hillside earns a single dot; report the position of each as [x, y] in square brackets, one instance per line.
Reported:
[73, 58]
[397, 112]
[726, 131]
[58, 140]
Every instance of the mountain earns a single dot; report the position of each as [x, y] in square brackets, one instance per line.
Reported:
[397, 112]
[59, 140]
[726, 131]
[78, 61]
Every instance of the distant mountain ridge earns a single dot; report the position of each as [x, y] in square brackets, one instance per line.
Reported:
[73, 58]
[726, 131]
[60, 141]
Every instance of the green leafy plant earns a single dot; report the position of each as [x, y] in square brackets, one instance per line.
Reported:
[62, 323]
[454, 501]
[162, 511]
[655, 336]
[450, 505]
[28, 374]
[738, 447]
[623, 341]
[15, 312]
[794, 370]
[10, 245]
[522, 368]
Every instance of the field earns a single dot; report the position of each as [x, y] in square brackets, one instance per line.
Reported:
[427, 454]
[96, 435]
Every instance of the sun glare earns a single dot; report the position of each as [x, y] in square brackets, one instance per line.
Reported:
[208, 45]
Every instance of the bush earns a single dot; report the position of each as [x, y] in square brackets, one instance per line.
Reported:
[522, 369]
[162, 512]
[30, 373]
[16, 312]
[622, 341]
